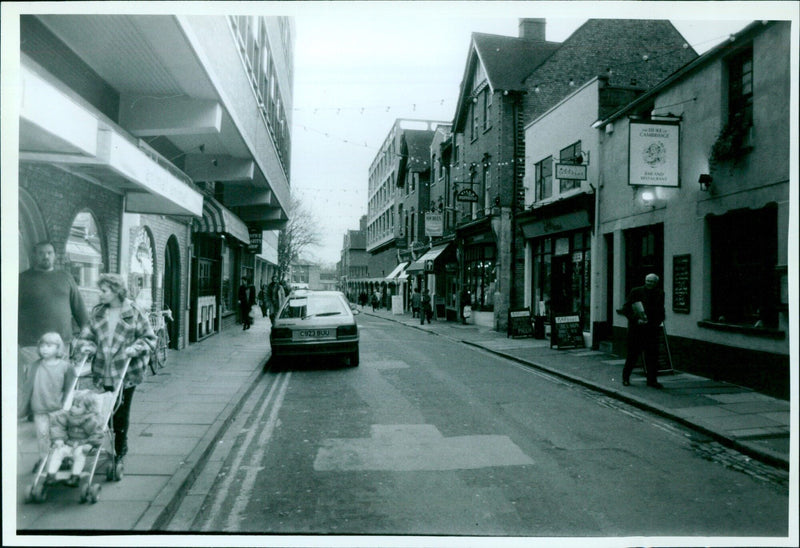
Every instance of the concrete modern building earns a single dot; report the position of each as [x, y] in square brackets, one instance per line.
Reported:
[157, 147]
[694, 186]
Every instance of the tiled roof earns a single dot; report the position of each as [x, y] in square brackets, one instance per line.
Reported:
[508, 60]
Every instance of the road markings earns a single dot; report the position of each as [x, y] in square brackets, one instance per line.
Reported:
[250, 469]
[417, 447]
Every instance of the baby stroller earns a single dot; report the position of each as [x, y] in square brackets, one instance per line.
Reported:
[108, 403]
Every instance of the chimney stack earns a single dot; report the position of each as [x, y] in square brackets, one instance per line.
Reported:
[532, 29]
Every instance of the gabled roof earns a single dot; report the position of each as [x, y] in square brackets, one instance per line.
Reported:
[506, 60]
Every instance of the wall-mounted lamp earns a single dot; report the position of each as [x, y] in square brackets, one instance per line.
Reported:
[648, 197]
[705, 181]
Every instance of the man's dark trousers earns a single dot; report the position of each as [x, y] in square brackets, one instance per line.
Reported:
[642, 339]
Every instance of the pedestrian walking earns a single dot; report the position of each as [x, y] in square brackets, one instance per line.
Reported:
[49, 301]
[376, 300]
[644, 309]
[247, 298]
[416, 302]
[51, 378]
[117, 331]
[426, 310]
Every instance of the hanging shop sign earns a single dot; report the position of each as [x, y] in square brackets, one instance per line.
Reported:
[570, 171]
[653, 152]
[255, 240]
[433, 224]
[467, 195]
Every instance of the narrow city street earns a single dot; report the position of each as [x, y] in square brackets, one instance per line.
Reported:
[433, 437]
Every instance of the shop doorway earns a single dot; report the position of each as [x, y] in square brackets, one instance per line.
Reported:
[172, 288]
[561, 298]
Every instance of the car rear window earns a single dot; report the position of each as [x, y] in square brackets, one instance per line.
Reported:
[309, 306]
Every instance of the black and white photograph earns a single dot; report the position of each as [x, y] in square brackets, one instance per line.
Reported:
[401, 274]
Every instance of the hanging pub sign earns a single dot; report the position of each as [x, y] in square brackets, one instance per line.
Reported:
[255, 240]
[653, 152]
[433, 224]
[467, 195]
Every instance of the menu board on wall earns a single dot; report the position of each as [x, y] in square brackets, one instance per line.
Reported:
[681, 283]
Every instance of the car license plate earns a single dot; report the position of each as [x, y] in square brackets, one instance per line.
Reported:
[310, 334]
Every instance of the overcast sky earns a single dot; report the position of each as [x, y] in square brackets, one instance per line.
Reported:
[359, 67]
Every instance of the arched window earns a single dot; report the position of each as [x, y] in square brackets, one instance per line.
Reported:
[31, 228]
[84, 256]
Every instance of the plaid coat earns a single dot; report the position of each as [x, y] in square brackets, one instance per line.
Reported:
[133, 330]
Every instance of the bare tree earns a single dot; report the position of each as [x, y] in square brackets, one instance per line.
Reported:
[301, 232]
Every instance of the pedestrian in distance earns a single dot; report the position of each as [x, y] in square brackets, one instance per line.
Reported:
[644, 309]
[426, 310]
[117, 331]
[49, 301]
[272, 298]
[376, 300]
[416, 302]
[75, 432]
[465, 301]
[247, 298]
[51, 379]
[262, 300]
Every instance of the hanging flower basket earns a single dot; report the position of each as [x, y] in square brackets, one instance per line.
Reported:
[730, 145]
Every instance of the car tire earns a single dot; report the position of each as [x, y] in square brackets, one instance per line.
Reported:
[354, 358]
[274, 364]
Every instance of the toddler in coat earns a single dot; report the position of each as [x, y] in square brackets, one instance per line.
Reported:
[74, 433]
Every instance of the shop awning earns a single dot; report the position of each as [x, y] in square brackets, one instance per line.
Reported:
[219, 219]
[398, 270]
[430, 255]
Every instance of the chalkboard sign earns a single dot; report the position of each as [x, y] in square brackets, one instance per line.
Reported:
[681, 283]
[566, 332]
[519, 323]
[664, 355]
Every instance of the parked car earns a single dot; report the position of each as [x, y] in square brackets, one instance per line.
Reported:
[314, 323]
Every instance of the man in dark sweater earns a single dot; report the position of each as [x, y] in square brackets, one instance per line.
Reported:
[49, 300]
[644, 309]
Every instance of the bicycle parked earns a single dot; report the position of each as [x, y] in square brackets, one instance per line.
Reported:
[159, 358]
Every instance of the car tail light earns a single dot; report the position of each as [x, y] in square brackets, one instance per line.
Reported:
[281, 333]
[346, 331]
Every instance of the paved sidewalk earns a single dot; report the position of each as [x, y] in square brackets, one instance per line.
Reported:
[177, 417]
[753, 423]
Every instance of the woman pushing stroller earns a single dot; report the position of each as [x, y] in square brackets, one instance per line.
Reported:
[117, 331]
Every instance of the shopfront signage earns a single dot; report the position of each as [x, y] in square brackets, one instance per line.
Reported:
[567, 332]
[467, 195]
[519, 323]
[255, 241]
[433, 224]
[570, 171]
[653, 152]
[681, 283]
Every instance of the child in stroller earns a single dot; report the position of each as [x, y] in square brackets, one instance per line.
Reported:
[74, 433]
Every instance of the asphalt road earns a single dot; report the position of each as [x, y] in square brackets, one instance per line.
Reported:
[433, 437]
